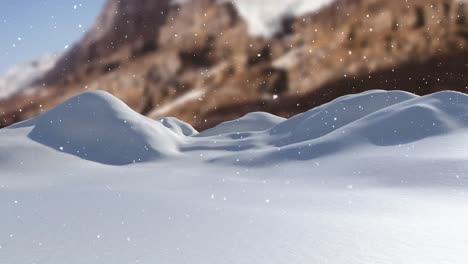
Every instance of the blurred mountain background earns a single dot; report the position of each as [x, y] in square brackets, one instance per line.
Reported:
[207, 61]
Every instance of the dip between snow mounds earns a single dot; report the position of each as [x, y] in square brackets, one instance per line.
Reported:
[252, 122]
[97, 126]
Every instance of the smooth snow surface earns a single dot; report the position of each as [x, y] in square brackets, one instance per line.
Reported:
[377, 177]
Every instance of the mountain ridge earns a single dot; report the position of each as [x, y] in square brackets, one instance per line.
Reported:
[346, 47]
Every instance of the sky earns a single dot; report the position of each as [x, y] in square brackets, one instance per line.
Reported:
[32, 28]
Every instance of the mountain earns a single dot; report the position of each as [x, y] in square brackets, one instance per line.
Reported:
[208, 61]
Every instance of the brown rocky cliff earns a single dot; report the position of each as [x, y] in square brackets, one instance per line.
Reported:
[124, 30]
[197, 61]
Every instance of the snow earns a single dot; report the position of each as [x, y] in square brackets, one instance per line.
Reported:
[257, 121]
[20, 77]
[265, 17]
[377, 177]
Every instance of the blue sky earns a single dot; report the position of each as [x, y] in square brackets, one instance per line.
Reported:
[31, 28]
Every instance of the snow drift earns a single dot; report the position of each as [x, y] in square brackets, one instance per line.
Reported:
[374, 118]
[377, 177]
[265, 17]
[99, 127]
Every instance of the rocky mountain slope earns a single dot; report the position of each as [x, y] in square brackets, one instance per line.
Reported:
[198, 61]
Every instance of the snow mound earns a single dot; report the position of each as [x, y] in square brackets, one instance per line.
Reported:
[252, 122]
[419, 118]
[330, 117]
[177, 126]
[98, 127]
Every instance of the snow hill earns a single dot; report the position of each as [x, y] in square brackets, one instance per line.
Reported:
[377, 177]
[99, 127]
[257, 121]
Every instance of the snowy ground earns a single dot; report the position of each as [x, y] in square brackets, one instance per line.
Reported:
[379, 177]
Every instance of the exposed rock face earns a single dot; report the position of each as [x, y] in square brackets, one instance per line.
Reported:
[124, 30]
[197, 62]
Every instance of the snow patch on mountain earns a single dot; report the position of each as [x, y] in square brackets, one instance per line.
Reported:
[20, 77]
[265, 17]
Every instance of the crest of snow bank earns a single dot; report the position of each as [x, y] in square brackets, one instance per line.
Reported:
[257, 121]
